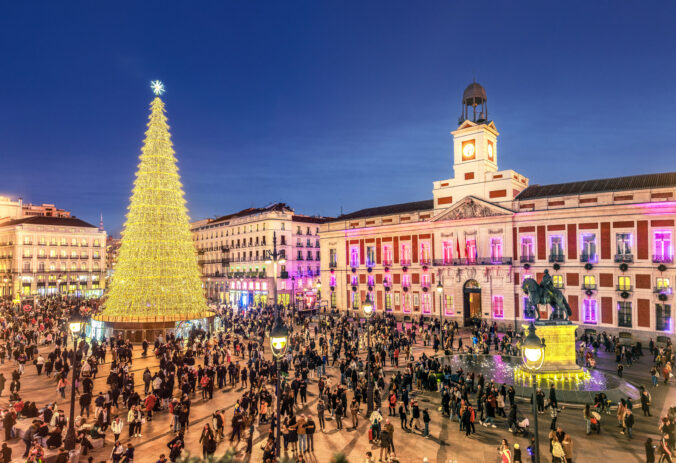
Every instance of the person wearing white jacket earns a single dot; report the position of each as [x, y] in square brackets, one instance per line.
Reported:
[116, 426]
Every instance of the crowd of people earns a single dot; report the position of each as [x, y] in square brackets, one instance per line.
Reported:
[329, 359]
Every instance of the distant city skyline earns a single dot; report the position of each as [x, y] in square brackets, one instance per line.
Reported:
[325, 108]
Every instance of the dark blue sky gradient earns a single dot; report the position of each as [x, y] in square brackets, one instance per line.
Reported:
[325, 104]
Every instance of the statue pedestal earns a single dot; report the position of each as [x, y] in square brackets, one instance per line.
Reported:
[559, 362]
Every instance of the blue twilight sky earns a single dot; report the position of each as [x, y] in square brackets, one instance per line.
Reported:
[325, 104]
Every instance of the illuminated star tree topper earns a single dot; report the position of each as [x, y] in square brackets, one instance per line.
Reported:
[158, 87]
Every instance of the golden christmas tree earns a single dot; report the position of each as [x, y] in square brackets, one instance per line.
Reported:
[156, 275]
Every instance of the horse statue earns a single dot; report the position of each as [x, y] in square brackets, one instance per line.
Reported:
[546, 294]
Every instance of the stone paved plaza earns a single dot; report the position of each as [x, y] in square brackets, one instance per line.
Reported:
[446, 444]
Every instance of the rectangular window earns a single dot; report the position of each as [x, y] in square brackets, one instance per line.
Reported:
[624, 283]
[589, 309]
[355, 280]
[557, 281]
[527, 249]
[556, 248]
[425, 253]
[663, 247]
[333, 258]
[354, 257]
[663, 286]
[498, 308]
[333, 300]
[355, 300]
[387, 281]
[623, 243]
[589, 282]
[387, 255]
[496, 250]
[447, 252]
[448, 304]
[426, 305]
[371, 280]
[406, 281]
[405, 258]
[406, 307]
[332, 280]
[663, 317]
[624, 314]
[388, 302]
[471, 251]
[588, 248]
[425, 280]
[370, 256]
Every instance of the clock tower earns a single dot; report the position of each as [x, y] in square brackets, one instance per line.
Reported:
[475, 157]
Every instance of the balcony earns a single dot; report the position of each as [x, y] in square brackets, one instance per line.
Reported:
[584, 257]
[333, 264]
[299, 258]
[590, 286]
[405, 263]
[225, 248]
[470, 261]
[668, 291]
[624, 258]
[627, 288]
[527, 259]
[299, 245]
[309, 258]
[660, 259]
[557, 258]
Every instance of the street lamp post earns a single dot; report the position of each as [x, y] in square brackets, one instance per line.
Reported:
[533, 358]
[75, 327]
[279, 339]
[367, 307]
[440, 290]
[275, 258]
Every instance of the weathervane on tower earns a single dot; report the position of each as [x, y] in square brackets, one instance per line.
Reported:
[158, 87]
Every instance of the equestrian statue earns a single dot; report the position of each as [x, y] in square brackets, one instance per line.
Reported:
[546, 294]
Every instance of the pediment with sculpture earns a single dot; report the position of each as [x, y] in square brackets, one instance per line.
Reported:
[472, 208]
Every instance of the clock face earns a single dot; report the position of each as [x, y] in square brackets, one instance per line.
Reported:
[468, 150]
[490, 151]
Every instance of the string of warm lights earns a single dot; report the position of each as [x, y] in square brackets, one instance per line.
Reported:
[156, 276]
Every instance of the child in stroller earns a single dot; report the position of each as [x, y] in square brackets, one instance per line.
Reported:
[522, 428]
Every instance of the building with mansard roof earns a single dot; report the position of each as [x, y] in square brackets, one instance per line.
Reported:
[234, 255]
[464, 254]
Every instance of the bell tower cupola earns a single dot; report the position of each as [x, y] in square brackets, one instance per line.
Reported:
[474, 104]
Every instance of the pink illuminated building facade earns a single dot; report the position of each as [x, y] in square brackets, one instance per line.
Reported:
[463, 255]
[234, 256]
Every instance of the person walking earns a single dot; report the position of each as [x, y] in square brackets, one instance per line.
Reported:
[426, 422]
[645, 402]
[207, 440]
[402, 417]
[628, 423]
[320, 413]
[116, 427]
[310, 428]
[302, 434]
[354, 410]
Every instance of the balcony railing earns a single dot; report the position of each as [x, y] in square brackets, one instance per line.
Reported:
[588, 257]
[405, 263]
[299, 245]
[527, 259]
[659, 259]
[557, 258]
[624, 258]
[284, 275]
[589, 286]
[333, 264]
[471, 261]
[387, 263]
[623, 288]
[299, 258]
[667, 291]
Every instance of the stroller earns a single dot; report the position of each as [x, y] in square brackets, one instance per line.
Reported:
[595, 421]
[522, 428]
